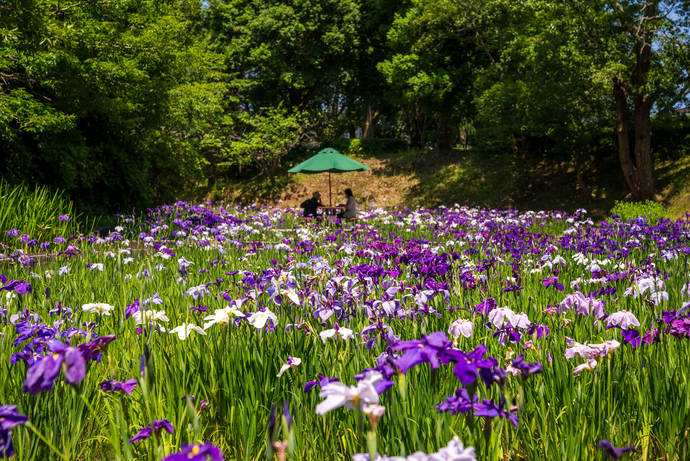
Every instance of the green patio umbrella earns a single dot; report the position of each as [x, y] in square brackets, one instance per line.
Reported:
[328, 161]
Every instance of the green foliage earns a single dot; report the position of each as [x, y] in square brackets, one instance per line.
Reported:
[95, 98]
[367, 146]
[651, 211]
[267, 138]
[34, 211]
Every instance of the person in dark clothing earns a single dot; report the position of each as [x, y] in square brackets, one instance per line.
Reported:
[311, 204]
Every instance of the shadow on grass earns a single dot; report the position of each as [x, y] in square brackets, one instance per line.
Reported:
[432, 178]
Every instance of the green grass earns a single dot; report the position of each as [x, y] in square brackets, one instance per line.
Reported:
[35, 212]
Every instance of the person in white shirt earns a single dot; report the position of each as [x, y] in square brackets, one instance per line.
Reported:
[350, 206]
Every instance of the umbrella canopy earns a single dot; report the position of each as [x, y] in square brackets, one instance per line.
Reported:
[328, 161]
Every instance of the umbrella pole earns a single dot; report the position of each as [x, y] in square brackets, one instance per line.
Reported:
[330, 200]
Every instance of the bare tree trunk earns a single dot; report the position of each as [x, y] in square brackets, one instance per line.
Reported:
[621, 97]
[368, 131]
[521, 158]
[584, 190]
[443, 136]
[646, 177]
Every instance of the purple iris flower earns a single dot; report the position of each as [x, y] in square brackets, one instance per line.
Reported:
[92, 350]
[196, 452]
[9, 418]
[468, 366]
[12, 233]
[633, 337]
[322, 381]
[131, 309]
[613, 452]
[20, 286]
[527, 369]
[25, 238]
[63, 218]
[156, 426]
[459, 403]
[553, 281]
[43, 374]
[488, 409]
[59, 240]
[493, 375]
[430, 349]
[541, 330]
[485, 306]
[123, 386]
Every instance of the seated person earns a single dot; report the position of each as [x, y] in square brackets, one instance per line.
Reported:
[311, 204]
[350, 206]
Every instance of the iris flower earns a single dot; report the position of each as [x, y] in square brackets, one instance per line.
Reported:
[184, 330]
[461, 327]
[149, 315]
[196, 452]
[259, 319]
[123, 386]
[337, 394]
[322, 381]
[156, 426]
[42, 375]
[429, 349]
[222, 316]
[613, 452]
[337, 332]
[526, 369]
[9, 418]
[623, 319]
[292, 362]
[98, 308]
[501, 316]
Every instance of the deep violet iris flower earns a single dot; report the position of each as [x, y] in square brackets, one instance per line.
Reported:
[322, 381]
[123, 386]
[488, 409]
[526, 369]
[20, 286]
[433, 348]
[42, 375]
[469, 364]
[156, 426]
[9, 418]
[613, 452]
[196, 452]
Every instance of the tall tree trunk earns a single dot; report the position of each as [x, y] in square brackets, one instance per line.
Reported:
[417, 129]
[620, 95]
[521, 157]
[368, 129]
[443, 136]
[646, 176]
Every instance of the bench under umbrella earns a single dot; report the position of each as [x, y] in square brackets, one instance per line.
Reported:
[328, 161]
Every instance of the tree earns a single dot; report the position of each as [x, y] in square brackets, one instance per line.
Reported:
[87, 95]
[266, 137]
[431, 72]
[650, 48]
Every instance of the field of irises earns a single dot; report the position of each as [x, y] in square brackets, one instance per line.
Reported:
[208, 333]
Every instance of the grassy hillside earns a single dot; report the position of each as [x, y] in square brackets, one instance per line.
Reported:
[431, 178]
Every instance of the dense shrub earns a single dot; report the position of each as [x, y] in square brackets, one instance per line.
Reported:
[651, 211]
[367, 146]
